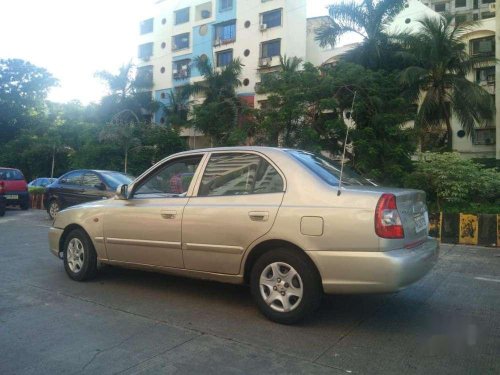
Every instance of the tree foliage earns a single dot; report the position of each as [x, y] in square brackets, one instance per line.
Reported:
[438, 80]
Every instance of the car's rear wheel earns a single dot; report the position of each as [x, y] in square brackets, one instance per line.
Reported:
[53, 209]
[80, 258]
[285, 286]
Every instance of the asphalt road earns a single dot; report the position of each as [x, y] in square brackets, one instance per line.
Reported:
[137, 322]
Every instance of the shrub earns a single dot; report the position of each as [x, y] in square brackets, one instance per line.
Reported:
[456, 184]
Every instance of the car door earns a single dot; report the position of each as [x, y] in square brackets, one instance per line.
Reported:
[70, 188]
[238, 198]
[146, 228]
[93, 187]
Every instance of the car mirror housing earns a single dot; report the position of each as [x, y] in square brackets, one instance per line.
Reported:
[122, 191]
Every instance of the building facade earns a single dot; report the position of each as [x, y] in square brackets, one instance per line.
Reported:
[256, 31]
[464, 10]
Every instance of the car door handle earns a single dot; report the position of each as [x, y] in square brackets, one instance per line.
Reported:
[168, 214]
[258, 215]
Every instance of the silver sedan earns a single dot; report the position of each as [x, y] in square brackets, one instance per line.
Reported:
[273, 218]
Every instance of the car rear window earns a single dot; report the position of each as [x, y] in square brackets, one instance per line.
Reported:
[11, 174]
[329, 170]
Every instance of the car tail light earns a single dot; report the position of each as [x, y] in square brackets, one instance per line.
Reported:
[387, 219]
[2, 187]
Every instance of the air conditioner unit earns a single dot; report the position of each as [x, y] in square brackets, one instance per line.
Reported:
[266, 61]
[492, 7]
[175, 71]
[184, 67]
[263, 27]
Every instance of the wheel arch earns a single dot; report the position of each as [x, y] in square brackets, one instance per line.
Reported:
[268, 245]
[67, 231]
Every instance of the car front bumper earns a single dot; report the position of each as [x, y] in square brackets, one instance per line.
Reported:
[54, 240]
[374, 272]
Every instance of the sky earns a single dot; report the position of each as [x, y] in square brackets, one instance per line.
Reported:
[73, 39]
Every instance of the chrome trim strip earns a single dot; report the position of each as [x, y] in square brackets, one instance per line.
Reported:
[214, 248]
[99, 239]
[131, 242]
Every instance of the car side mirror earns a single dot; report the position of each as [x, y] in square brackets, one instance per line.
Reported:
[122, 191]
[100, 186]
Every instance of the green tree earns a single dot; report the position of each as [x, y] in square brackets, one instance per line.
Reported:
[221, 115]
[438, 82]
[23, 90]
[368, 19]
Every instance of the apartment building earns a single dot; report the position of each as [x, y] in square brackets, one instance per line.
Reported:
[464, 10]
[256, 31]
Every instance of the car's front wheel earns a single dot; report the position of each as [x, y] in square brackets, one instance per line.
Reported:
[80, 258]
[285, 286]
[53, 209]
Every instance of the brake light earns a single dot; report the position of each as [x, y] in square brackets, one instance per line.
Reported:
[387, 219]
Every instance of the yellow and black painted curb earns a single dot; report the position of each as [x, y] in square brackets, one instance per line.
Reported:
[466, 229]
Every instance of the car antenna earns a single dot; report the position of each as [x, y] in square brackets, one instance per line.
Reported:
[345, 144]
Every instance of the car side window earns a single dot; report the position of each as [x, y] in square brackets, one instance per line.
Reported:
[91, 180]
[239, 174]
[171, 180]
[74, 178]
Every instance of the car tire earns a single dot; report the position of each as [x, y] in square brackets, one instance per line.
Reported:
[289, 282]
[53, 208]
[80, 257]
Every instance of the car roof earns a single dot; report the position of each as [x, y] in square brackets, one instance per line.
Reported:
[263, 149]
[11, 169]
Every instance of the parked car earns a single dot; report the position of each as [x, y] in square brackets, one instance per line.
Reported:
[13, 188]
[82, 186]
[41, 182]
[2, 205]
[269, 217]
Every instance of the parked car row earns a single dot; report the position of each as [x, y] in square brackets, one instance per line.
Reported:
[72, 188]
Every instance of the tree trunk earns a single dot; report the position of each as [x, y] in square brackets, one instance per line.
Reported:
[449, 130]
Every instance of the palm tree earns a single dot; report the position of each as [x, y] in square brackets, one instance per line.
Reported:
[176, 111]
[368, 19]
[220, 112]
[438, 81]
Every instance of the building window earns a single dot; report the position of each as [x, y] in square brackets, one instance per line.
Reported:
[485, 15]
[225, 33]
[441, 7]
[484, 136]
[180, 41]
[181, 69]
[144, 76]
[485, 75]
[224, 58]
[147, 26]
[475, 4]
[271, 19]
[483, 46]
[225, 5]
[487, 1]
[271, 48]
[145, 51]
[203, 11]
[460, 3]
[181, 16]
[460, 18]
[475, 17]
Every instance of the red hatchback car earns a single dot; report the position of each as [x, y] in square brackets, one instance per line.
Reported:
[13, 188]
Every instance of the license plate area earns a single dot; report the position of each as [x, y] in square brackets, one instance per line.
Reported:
[11, 196]
[420, 223]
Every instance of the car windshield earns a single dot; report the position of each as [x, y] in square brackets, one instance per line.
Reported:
[115, 179]
[329, 170]
[11, 174]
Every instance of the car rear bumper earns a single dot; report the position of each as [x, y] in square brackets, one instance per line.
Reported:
[16, 197]
[54, 240]
[374, 272]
